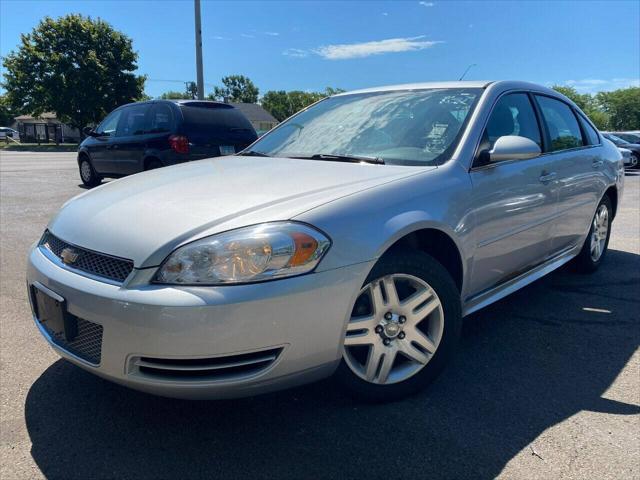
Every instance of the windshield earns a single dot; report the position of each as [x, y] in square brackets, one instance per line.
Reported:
[615, 139]
[419, 127]
[629, 137]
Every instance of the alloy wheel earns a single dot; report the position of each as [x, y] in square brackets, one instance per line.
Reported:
[599, 232]
[395, 329]
[85, 171]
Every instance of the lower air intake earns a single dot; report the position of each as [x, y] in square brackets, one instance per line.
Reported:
[230, 367]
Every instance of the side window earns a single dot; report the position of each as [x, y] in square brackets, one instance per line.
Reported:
[564, 131]
[110, 123]
[160, 120]
[592, 135]
[133, 120]
[512, 115]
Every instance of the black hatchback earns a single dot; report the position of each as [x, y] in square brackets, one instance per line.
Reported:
[146, 135]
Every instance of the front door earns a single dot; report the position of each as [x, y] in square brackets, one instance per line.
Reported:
[127, 153]
[516, 200]
[99, 149]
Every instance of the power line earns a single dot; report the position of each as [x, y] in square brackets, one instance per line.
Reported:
[175, 81]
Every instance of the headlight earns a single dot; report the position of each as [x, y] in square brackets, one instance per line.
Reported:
[250, 254]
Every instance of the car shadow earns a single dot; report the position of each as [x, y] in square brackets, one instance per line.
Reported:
[525, 364]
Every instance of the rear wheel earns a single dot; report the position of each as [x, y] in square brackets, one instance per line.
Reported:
[403, 328]
[597, 241]
[88, 175]
[153, 164]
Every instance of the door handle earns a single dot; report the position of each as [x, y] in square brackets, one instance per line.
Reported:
[547, 177]
[597, 163]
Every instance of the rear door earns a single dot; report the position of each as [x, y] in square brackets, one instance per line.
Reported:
[576, 162]
[128, 150]
[99, 148]
[516, 199]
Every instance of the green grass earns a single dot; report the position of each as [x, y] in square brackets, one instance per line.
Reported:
[34, 147]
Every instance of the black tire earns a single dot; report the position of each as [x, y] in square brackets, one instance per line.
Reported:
[584, 262]
[428, 269]
[153, 164]
[90, 177]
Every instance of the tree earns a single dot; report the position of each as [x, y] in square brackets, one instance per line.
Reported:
[190, 92]
[283, 104]
[173, 95]
[622, 106]
[7, 114]
[236, 89]
[75, 66]
[588, 104]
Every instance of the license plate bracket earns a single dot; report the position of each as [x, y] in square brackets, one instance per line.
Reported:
[51, 311]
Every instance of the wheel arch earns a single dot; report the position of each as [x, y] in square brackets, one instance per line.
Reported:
[612, 193]
[436, 241]
[148, 159]
[82, 154]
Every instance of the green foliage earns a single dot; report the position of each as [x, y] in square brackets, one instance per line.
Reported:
[622, 107]
[190, 92]
[236, 89]
[615, 110]
[587, 103]
[75, 66]
[283, 104]
[7, 113]
[173, 95]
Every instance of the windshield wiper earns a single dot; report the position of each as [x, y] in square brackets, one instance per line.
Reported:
[252, 153]
[343, 158]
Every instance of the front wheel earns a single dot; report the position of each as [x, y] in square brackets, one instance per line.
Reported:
[88, 175]
[597, 241]
[403, 328]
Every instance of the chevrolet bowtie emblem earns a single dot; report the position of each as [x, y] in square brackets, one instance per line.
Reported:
[69, 256]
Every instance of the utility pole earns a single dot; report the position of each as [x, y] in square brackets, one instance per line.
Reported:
[200, 76]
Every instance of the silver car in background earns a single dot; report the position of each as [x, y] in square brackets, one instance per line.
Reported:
[348, 241]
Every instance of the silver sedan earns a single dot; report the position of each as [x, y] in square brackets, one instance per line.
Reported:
[351, 240]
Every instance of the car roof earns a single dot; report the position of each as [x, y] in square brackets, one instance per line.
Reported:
[422, 86]
[500, 85]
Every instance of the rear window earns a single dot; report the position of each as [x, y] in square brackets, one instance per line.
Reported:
[562, 124]
[216, 119]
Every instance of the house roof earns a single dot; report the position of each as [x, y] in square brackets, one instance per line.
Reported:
[44, 116]
[254, 112]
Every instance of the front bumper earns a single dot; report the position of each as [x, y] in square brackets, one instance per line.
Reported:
[303, 318]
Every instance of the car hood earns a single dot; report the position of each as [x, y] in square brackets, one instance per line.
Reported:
[145, 216]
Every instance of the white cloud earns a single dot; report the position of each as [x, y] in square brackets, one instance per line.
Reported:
[366, 49]
[272, 34]
[385, 14]
[295, 52]
[591, 85]
[426, 4]
[247, 35]
[218, 37]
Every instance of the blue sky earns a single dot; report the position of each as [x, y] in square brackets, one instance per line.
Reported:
[591, 45]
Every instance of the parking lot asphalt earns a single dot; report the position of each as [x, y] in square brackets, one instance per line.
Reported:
[546, 385]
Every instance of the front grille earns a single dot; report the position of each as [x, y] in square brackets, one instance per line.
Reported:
[229, 367]
[99, 264]
[88, 343]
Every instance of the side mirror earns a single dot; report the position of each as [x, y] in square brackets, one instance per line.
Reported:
[88, 131]
[514, 147]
